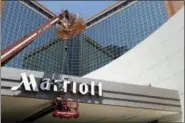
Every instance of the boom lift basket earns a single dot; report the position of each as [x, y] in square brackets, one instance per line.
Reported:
[65, 108]
[72, 27]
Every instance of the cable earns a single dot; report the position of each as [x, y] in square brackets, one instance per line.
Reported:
[67, 67]
[63, 62]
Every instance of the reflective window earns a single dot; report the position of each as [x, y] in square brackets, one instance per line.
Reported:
[17, 21]
[97, 46]
[115, 35]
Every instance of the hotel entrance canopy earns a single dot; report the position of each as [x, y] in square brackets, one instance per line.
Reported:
[119, 102]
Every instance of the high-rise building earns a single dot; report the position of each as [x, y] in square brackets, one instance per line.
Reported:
[118, 29]
[109, 34]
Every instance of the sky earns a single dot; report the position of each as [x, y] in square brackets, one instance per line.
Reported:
[85, 8]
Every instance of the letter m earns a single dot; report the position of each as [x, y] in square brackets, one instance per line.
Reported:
[27, 82]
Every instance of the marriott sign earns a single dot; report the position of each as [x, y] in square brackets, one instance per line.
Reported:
[62, 85]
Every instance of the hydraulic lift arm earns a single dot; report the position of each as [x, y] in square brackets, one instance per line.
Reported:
[12, 50]
[69, 26]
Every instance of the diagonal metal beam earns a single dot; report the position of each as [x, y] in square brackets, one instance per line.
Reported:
[38, 114]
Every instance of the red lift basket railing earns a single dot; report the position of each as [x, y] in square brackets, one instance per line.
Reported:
[67, 110]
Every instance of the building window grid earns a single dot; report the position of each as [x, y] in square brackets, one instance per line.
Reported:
[139, 28]
[113, 36]
[23, 27]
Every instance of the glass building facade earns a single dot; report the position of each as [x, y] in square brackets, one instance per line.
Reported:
[47, 57]
[18, 20]
[107, 37]
[114, 35]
